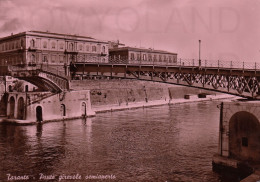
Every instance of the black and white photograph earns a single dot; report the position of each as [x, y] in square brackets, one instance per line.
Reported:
[129, 91]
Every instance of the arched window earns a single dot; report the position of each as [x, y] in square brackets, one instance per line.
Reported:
[33, 58]
[21, 42]
[39, 113]
[32, 43]
[150, 57]
[26, 88]
[104, 49]
[170, 59]
[80, 47]
[138, 56]
[63, 110]
[10, 88]
[53, 45]
[83, 109]
[61, 45]
[144, 57]
[132, 56]
[44, 44]
[71, 46]
[87, 47]
[155, 58]
[45, 59]
[94, 49]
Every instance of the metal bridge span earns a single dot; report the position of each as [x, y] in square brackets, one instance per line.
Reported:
[226, 77]
[244, 82]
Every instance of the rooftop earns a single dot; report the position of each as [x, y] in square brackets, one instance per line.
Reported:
[140, 49]
[60, 34]
[41, 33]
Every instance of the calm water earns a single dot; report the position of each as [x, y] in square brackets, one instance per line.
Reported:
[164, 143]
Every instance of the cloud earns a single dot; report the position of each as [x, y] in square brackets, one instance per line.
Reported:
[225, 27]
[11, 25]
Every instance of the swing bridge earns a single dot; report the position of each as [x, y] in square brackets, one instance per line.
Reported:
[236, 78]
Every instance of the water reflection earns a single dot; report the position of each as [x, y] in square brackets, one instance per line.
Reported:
[87, 133]
[166, 143]
[39, 130]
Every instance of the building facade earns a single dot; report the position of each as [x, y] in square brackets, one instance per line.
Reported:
[145, 56]
[34, 47]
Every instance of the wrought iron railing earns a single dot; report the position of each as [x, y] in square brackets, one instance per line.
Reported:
[186, 63]
[58, 69]
[54, 69]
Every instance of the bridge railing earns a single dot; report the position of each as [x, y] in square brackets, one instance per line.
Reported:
[56, 69]
[192, 63]
[59, 69]
[219, 64]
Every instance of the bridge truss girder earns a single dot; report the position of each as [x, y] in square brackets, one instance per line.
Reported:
[244, 83]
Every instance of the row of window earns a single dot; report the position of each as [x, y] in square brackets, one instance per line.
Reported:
[151, 57]
[71, 46]
[12, 45]
[11, 60]
[17, 44]
[50, 58]
[62, 58]
[147, 57]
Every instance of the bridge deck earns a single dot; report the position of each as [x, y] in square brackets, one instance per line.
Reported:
[240, 79]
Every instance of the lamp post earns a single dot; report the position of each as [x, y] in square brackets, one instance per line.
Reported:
[199, 53]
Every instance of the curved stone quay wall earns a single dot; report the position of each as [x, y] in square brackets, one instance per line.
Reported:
[30, 108]
[103, 95]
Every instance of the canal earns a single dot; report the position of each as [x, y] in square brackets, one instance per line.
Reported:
[163, 143]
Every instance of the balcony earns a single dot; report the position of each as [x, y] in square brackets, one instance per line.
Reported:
[103, 54]
[70, 52]
[33, 49]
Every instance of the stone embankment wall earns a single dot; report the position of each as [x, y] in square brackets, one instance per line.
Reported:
[117, 92]
[109, 92]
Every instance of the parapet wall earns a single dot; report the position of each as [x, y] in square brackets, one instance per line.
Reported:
[66, 105]
[33, 106]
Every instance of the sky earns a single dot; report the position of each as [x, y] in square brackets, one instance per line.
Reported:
[229, 30]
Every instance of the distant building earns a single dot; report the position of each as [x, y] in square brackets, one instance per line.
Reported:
[133, 54]
[16, 85]
[35, 47]
[114, 44]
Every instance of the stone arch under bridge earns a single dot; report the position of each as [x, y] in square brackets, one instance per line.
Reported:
[240, 131]
[244, 136]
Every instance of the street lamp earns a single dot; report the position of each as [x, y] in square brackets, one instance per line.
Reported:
[199, 53]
